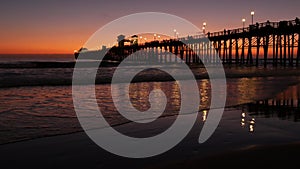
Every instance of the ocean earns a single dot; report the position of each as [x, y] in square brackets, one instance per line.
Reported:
[37, 101]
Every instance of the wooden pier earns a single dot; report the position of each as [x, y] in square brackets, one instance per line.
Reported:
[275, 43]
[269, 42]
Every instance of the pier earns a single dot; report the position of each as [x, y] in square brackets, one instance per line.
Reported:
[280, 40]
[275, 43]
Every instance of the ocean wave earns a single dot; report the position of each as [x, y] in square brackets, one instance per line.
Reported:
[62, 75]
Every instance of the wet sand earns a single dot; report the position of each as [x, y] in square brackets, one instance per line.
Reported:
[226, 148]
[275, 144]
[277, 156]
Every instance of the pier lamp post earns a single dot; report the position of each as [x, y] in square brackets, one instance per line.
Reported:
[174, 33]
[243, 20]
[204, 26]
[252, 16]
[154, 36]
[141, 38]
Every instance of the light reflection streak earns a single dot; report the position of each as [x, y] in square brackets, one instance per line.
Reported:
[204, 115]
[244, 122]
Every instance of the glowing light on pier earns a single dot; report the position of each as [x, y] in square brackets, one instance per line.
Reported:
[252, 16]
[243, 20]
[204, 26]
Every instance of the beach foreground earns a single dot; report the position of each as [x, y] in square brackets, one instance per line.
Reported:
[231, 145]
[278, 156]
[259, 128]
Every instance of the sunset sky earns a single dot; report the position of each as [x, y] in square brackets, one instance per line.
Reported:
[37, 26]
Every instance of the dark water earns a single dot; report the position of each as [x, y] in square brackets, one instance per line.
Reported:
[37, 102]
[17, 58]
[30, 112]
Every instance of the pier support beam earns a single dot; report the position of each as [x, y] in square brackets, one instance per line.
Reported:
[225, 51]
[273, 53]
[289, 51]
[298, 52]
[236, 51]
[276, 50]
[257, 50]
[230, 51]
[280, 48]
[292, 52]
[284, 49]
[243, 51]
[266, 49]
[249, 56]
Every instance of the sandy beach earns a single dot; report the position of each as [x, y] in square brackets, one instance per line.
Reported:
[40, 136]
[230, 146]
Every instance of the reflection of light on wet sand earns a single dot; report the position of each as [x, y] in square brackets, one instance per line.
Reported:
[284, 106]
[291, 95]
[204, 88]
[243, 115]
[247, 89]
[139, 95]
[204, 115]
[244, 122]
[243, 119]
[251, 126]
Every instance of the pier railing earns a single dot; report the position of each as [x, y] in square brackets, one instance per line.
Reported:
[258, 26]
[260, 43]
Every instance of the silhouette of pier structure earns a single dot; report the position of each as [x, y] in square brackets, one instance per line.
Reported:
[275, 43]
[286, 105]
[282, 108]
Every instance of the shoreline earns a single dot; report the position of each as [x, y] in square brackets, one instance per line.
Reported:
[252, 157]
[229, 104]
[28, 80]
[21, 64]
[77, 150]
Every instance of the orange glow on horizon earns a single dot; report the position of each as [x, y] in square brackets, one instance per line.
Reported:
[44, 40]
[44, 47]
